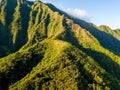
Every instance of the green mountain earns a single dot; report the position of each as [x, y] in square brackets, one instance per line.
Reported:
[43, 48]
[114, 33]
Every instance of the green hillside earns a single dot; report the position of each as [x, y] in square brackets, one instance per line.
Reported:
[43, 48]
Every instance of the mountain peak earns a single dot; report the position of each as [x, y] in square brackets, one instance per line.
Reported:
[104, 27]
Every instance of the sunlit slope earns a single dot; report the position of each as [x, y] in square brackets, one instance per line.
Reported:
[42, 47]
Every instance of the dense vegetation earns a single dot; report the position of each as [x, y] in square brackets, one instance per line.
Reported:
[43, 48]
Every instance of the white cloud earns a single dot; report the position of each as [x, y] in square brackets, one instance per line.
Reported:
[78, 13]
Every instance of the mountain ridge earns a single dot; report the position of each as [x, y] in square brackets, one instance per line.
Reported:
[42, 48]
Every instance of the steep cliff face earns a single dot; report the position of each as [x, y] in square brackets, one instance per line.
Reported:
[42, 47]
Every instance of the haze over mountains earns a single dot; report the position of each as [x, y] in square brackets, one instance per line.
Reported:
[43, 48]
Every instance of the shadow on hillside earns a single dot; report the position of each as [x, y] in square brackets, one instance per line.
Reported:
[5, 46]
[21, 68]
[106, 63]
[22, 36]
[103, 60]
[106, 40]
[112, 83]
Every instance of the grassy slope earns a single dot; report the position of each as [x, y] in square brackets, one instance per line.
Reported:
[54, 51]
[106, 29]
[58, 68]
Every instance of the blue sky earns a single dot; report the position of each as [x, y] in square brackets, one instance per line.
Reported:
[99, 12]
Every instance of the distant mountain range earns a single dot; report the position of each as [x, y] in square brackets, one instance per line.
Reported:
[43, 48]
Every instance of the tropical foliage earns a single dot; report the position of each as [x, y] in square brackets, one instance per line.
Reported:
[43, 48]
